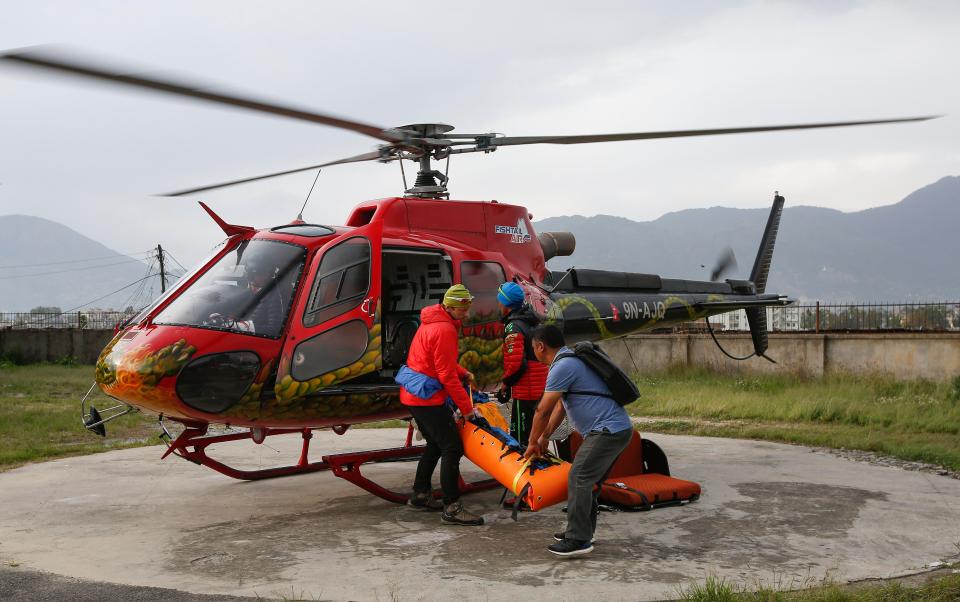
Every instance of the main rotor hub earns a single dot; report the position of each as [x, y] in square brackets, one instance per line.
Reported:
[423, 142]
[425, 130]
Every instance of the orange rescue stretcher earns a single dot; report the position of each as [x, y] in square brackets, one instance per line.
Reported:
[638, 480]
[540, 482]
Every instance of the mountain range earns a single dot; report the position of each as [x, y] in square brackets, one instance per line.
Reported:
[44, 263]
[903, 252]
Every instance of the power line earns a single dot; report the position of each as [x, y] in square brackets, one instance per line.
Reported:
[176, 262]
[89, 267]
[33, 265]
[137, 291]
[72, 309]
[108, 294]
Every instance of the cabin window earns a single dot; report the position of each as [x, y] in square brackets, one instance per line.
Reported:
[413, 279]
[342, 281]
[336, 348]
[248, 291]
[482, 278]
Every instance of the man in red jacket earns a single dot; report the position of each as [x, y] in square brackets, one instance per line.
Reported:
[430, 378]
[523, 376]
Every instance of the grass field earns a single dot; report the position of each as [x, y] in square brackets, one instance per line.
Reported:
[916, 420]
[39, 413]
[40, 416]
[938, 589]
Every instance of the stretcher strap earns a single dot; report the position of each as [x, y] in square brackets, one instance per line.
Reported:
[520, 497]
[516, 478]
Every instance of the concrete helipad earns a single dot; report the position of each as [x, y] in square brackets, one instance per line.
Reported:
[769, 513]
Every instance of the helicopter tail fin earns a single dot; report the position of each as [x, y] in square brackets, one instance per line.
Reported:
[757, 316]
[761, 267]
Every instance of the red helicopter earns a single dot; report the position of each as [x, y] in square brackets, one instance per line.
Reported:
[302, 326]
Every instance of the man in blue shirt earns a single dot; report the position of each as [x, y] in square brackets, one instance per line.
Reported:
[603, 423]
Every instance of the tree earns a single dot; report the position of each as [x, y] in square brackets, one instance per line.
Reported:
[44, 309]
[931, 317]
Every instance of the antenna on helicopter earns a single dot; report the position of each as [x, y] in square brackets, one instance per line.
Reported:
[300, 215]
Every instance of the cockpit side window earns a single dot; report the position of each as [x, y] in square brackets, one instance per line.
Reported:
[342, 281]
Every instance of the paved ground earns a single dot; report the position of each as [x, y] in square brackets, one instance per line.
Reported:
[24, 585]
[769, 513]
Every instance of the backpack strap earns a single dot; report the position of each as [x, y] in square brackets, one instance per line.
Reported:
[567, 354]
[594, 393]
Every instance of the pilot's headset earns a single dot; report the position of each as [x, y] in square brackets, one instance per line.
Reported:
[256, 267]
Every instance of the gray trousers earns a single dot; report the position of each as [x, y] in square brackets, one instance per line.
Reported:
[590, 466]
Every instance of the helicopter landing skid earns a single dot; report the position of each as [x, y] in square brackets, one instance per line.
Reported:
[347, 466]
[191, 445]
[193, 441]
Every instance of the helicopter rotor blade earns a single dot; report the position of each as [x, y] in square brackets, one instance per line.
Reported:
[54, 61]
[589, 138]
[371, 156]
[725, 262]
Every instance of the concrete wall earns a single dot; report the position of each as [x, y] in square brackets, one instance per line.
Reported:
[53, 344]
[904, 356]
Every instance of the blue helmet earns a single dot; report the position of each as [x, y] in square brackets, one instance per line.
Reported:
[510, 294]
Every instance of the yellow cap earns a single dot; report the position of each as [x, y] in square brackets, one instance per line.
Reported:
[457, 296]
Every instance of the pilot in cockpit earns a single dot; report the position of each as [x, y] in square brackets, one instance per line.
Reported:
[263, 312]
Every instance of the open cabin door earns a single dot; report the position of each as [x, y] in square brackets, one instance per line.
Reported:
[334, 333]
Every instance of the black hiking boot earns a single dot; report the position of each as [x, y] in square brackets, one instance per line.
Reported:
[424, 501]
[455, 514]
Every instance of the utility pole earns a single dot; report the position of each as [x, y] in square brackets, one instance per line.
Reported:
[163, 273]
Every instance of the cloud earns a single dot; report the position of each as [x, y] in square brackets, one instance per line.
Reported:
[90, 157]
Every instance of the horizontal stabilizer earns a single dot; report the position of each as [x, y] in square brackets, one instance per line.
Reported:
[734, 305]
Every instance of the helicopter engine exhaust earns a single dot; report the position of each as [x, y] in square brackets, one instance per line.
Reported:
[557, 244]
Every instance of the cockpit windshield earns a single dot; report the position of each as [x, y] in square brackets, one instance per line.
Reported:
[249, 291]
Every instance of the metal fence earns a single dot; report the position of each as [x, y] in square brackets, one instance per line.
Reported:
[845, 317]
[93, 320]
[817, 317]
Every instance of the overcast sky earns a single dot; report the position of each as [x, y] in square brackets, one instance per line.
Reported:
[90, 156]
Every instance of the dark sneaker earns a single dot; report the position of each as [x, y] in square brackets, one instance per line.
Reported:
[571, 547]
[561, 535]
[424, 501]
[455, 514]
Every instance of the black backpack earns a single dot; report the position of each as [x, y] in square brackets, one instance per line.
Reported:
[623, 389]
